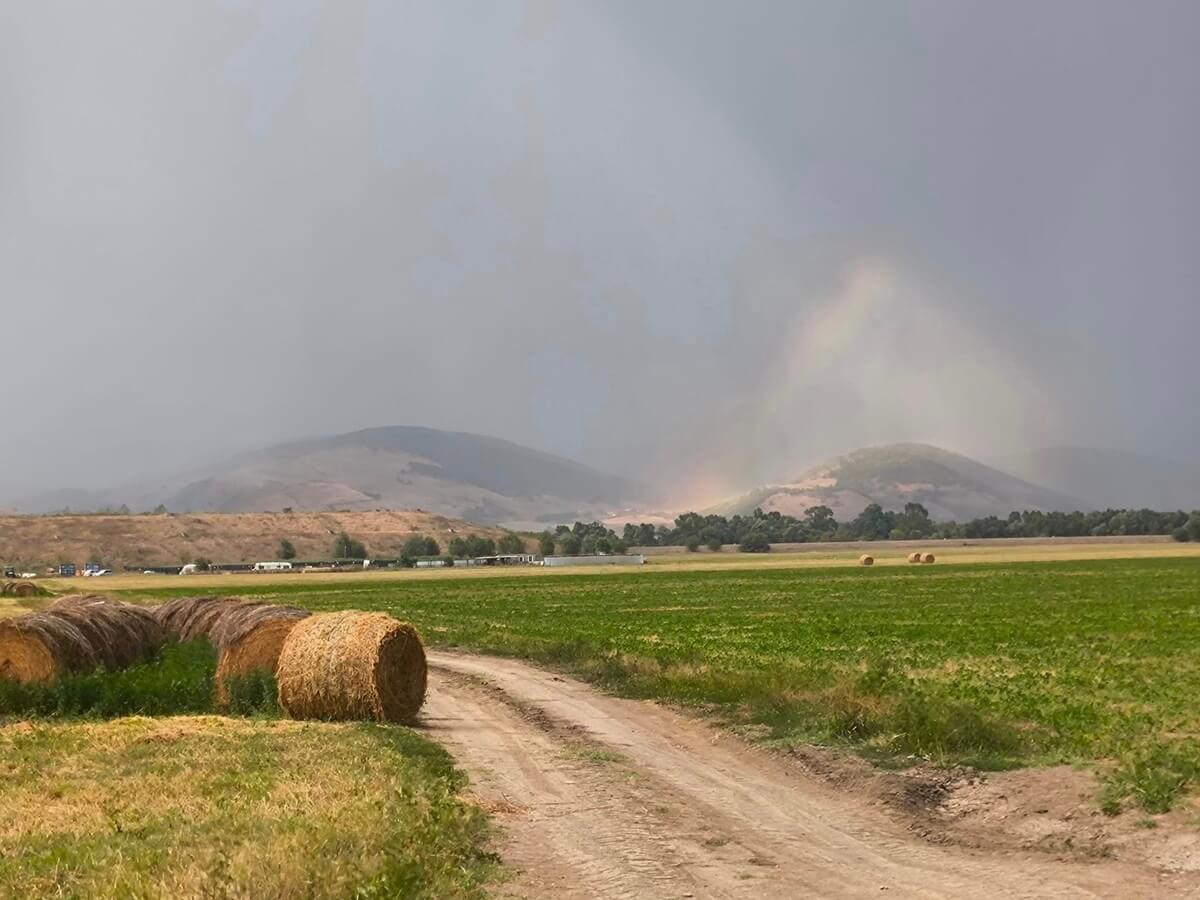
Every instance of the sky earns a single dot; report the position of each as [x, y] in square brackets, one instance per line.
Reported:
[704, 244]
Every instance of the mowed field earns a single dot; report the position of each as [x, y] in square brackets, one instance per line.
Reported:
[993, 664]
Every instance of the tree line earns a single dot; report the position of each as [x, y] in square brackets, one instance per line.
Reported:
[755, 532]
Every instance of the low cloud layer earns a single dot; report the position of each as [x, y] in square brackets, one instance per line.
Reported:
[700, 244]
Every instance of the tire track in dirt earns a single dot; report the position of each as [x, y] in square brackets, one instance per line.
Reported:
[604, 797]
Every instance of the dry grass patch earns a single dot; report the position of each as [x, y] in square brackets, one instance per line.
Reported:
[211, 806]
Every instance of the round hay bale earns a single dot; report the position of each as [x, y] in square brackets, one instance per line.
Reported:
[189, 618]
[76, 634]
[120, 634]
[866, 560]
[39, 647]
[21, 589]
[928, 559]
[250, 638]
[914, 557]
[352, 665]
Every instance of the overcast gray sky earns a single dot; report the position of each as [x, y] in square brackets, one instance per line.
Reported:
[708, 242]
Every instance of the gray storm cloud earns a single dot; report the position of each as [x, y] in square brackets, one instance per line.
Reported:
[704, 244]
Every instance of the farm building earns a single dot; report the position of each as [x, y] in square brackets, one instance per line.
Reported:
[502, 559]
[632, 559]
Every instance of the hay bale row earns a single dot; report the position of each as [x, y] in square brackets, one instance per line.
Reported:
[914, 557]
[75, 635]
[352, 665]
[19, 589]
[338, 666]
[248, 634]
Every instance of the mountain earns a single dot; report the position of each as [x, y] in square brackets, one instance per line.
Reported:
[470, 476]
[949, 485]
[1114, 478]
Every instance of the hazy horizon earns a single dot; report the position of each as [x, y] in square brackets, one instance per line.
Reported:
[704, 245]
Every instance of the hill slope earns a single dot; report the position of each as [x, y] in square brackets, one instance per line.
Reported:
[32, 541]
[482, 479]
[949, 485]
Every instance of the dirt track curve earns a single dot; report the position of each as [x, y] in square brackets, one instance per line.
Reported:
[604, 797]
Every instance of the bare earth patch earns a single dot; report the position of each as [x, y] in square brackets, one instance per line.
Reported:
[605, 797]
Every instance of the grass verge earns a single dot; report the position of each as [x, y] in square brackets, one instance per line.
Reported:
[179, 681]
[218, 807]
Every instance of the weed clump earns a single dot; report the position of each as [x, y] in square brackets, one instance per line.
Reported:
[180, 681]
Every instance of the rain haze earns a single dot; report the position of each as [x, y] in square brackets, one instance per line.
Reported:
[699, 244]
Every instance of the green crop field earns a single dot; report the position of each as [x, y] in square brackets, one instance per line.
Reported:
[995, 665]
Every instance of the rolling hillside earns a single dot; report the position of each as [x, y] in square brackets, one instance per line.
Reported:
[167, 540]
[949, 485]
[468, 476]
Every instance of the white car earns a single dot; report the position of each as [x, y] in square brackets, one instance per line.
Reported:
[96, 572]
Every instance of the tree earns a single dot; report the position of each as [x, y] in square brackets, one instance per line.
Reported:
[692, 544]
[1181, 534]
[160, 510]
[1193, 526]
[418, 546]
[203, 563]
[346, 547]
[287, 550]
[755, 542]
[479, 546]
[872, 524]
[715, 545]
[458, 548]
[913, 523]
[546, 544]
[510, 543]
[819, 521]
[571, 544]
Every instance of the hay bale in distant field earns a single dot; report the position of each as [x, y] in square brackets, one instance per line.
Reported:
[928, 558]
[19, 589]
[914, 557]
[866, 560]
[76, 634]
[352, 665]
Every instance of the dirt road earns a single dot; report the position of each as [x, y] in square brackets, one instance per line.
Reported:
[603, 797]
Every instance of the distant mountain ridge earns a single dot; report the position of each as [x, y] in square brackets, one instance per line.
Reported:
[471, 476]
[949, 485]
